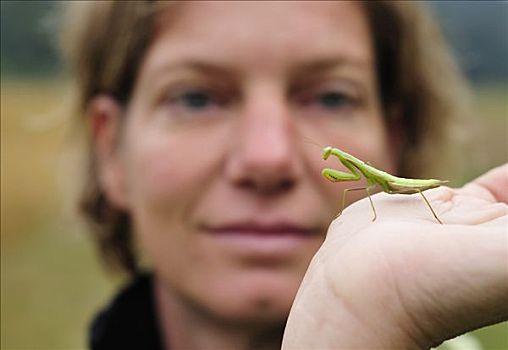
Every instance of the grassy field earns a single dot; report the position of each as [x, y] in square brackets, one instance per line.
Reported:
[51, 281]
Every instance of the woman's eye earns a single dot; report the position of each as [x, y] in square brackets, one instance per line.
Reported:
[333, 100]
[329, 102]
[196, 99]
[194, 102]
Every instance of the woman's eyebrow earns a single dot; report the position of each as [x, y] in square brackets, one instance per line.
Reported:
[328, 64]
[224, 71]
[193, 66]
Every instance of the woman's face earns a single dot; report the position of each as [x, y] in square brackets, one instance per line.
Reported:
[216, 162]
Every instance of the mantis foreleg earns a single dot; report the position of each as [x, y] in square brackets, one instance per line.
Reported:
[367, 189]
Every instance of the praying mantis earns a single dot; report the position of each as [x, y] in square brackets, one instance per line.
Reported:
[389, 183]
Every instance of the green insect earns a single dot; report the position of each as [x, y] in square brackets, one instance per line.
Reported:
[389, 183]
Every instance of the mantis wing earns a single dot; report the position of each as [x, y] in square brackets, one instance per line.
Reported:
[409, 186]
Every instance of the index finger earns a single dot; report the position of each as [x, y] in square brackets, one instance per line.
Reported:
[496, 182]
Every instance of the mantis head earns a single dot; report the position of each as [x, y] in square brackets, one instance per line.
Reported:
[326, 152]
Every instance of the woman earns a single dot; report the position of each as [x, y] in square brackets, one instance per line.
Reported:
[200, 116]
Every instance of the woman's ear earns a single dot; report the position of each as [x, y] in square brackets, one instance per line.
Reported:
[105, 116]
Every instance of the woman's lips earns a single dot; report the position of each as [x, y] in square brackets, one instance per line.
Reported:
[263, 242]
[261, 230]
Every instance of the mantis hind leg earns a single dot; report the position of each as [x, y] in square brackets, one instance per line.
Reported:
[367, 189]
[430, 207]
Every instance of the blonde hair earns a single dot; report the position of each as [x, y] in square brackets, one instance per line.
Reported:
[420, 86]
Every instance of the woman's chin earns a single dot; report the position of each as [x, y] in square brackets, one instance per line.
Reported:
[260, 300]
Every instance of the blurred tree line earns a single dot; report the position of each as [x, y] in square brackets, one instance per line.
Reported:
[477, 30]
[29, 46]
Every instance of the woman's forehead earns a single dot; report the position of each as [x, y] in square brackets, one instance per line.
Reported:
[253, 33]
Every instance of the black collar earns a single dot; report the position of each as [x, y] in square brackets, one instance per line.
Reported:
[129, 321]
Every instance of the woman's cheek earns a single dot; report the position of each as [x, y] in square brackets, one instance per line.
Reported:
[159, 175]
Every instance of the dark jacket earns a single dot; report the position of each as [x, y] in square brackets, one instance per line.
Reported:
[129, 321]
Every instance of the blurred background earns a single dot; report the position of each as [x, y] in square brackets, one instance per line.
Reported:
[51, 280]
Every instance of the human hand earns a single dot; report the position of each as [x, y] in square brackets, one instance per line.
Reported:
[405, 281]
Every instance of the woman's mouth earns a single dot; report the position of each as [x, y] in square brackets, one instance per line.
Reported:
[267, 242]
[265, 230]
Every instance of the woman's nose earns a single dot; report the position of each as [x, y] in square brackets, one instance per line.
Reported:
[263, 157]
